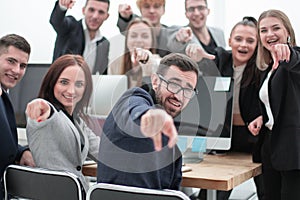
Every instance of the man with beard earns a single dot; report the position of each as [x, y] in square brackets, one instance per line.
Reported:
[82, 37]
[138, 147]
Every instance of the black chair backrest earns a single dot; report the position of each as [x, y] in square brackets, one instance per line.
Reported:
[38, 183]
[119, 192]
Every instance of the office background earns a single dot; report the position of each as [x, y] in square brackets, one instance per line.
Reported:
[30, 19]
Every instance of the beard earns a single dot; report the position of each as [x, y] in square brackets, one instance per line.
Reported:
[162, 104]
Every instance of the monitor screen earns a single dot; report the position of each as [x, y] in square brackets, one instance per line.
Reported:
[209, 113]
[107, 89]
[27, 90]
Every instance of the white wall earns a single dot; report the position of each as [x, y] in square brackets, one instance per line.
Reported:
[30, 18]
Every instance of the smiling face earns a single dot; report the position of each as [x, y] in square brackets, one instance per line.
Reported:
[13, 62]
[95, 12]
[243, 41]
[139, 36]
[70, 87]
[196, 12]
[174, 103]
[272, 31]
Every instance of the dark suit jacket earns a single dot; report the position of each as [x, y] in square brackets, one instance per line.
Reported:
[248, 99]
[70, 39]
[9, 148]
[284, 97]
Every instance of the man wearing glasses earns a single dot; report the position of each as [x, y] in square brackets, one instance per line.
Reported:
[197, 32]
[138, 144]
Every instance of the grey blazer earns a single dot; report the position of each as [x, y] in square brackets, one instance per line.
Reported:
[206, 66]
[56, 143]
[175, 46]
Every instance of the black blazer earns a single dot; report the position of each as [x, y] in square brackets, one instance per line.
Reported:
[284, 97]
[248, 99]
[9, 148]
[70, 39]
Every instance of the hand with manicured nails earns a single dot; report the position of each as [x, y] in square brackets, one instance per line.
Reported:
[184, 34]
[197, 53]
[280, 52]
[38, 109]
[156, 122]
[140, 55]
[125, 11]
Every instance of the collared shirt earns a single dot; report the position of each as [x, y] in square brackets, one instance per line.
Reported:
[90, 49]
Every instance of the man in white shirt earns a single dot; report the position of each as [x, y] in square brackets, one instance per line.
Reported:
[82, 36]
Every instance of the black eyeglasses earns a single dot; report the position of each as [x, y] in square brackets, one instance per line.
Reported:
[199, 8]
[176, 88]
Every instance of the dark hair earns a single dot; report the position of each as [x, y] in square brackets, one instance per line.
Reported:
[105, 1]
[127, 65]
[187, 0]
[16, 41]
[183, 62]
[58, 66]
[251, 71]
[247, 21]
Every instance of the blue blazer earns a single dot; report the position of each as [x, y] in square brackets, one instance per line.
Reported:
[126, 157]
[70, 39]
[9, 148]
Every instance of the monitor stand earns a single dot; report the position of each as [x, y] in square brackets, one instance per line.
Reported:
[192, 157]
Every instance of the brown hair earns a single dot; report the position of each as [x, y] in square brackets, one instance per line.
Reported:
[58, 66]
[16, 41]
[127, 65]
[251, 71]
[183, 62]
[263, 55]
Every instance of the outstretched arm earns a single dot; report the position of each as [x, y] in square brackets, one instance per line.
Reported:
[156, 122]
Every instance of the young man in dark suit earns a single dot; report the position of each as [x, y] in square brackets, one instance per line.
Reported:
[14, 56]
[82, 36]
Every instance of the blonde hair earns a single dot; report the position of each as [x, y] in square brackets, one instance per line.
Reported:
[263, 55]
[140, 3]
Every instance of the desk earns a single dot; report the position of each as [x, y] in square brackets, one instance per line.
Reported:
[215, 172]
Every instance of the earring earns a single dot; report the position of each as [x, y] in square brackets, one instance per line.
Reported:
[289, 39]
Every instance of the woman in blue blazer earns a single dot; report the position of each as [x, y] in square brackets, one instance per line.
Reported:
[279, 57]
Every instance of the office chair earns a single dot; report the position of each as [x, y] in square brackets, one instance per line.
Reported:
[37, 183]
[120, 192]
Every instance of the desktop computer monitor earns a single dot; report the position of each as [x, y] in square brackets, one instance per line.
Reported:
[107, 89]
[209, 114]
[27, 89]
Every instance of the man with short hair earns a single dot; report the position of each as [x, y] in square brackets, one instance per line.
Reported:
[197, 32]
[137, 146]
[14, 56]
[82, 37]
